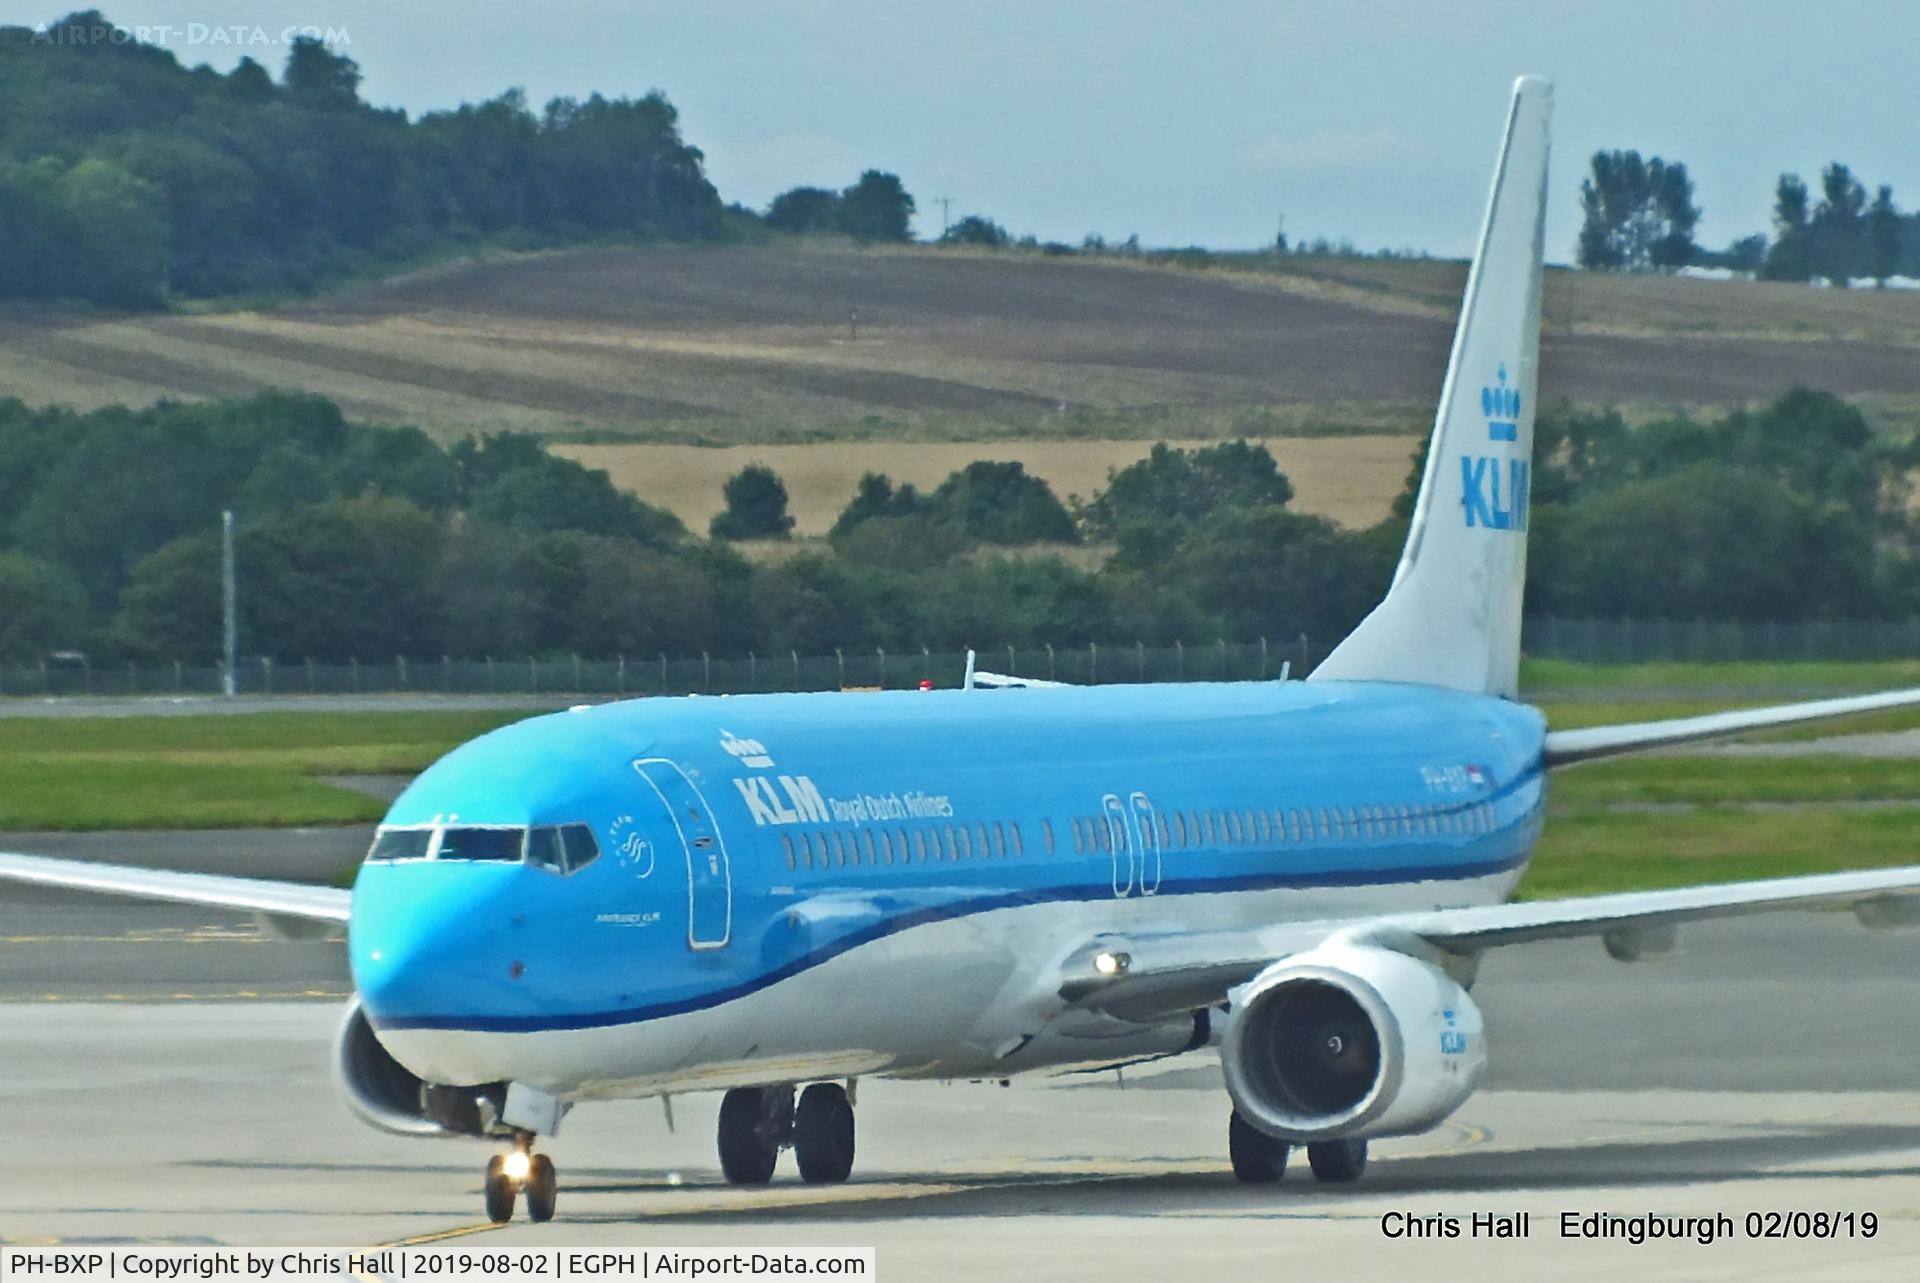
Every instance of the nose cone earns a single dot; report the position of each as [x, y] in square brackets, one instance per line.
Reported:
[430, 941]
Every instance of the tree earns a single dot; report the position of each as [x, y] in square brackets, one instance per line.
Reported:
[877, 208]
[1791, 256]
[975, 230]
[41, 608]
[756, 506]
[1638, 215]
[119, 235]
[804, 209]
[989, 502]
[1185, 486]
[875, 496]
[319, 76]
[1883, 237]
[1839, 225]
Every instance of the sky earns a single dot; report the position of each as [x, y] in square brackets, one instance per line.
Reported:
[1198, 123]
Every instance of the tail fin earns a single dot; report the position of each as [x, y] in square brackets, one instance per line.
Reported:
[1452, 616]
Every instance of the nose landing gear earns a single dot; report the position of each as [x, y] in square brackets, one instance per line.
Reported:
[520, 1169]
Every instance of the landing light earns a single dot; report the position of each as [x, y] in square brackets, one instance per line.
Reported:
[1111, 964]
[518, 1165]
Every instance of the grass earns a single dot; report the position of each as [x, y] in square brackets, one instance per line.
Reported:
[1542, 678]
[1592, 852]
[247, 771]
[1724, 781]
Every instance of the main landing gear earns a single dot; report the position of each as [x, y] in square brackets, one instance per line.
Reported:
[1260, 1159]
[756, 1123]
[518, 1170]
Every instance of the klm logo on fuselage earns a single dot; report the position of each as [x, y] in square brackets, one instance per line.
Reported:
[795, 801]
[1494, 488]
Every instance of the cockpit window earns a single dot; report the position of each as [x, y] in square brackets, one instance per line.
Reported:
[582, 850]
[400, 844]
[562, 848]
[544, 850]
[482, 844]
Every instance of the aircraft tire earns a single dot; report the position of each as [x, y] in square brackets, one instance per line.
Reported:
[823, 1134]
[1258, 1159]
[543, 1189]
[748, 1151]
[500, 1190]
[1337, 1162]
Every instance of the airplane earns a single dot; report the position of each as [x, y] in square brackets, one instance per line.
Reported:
[776, 895]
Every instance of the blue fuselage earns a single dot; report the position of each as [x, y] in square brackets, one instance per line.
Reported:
[745, 842]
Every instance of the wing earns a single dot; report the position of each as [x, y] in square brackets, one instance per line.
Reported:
[288, 908]
[1143, 976]
[1566, 748]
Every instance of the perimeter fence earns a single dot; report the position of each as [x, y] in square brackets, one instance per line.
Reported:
[1591, 640]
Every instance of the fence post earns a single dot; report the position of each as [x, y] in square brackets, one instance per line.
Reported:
[179, 676]
[620, 676]
[796, 668]
[1223, 659]
[1052, 674]
[1263, 659]
[881, 651]
[1306, 655]
[706, 672]
[1140, 659]
[926, 662]
[1013, 664]
[309, 674]
[446, 672]
[1179, 660]
[353, 664]
[663, 672]
[266, 672]
[533, 674]
[491, 684]
[1093, 663]
[576, 671]
[840, 662]
[400, 671]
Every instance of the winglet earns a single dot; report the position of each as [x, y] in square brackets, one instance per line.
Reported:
[1452, 615]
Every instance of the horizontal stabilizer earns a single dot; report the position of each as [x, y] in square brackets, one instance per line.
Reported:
[1566, 748]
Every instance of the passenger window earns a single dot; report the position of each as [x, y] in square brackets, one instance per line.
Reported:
[400, 844]
[952, 844]
[966, 843]
[816, 851]
[1019, 843]
[786, 846]
[1046, 835]
[502, 845]
[1166, 831]
[1264, 823]
[1215, 830]
[999, 840]
[980, 839]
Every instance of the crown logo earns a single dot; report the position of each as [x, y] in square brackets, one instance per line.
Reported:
[1502, 406]
[750, 752]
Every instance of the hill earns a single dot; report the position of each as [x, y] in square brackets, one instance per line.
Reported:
[739, 344]
[798, 342]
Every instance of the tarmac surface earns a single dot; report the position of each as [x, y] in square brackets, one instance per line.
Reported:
[164, 1077]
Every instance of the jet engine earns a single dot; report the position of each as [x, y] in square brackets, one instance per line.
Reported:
[1351, 1041]
[384, 1093]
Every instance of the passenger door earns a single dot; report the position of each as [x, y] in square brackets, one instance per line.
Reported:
[709, 872]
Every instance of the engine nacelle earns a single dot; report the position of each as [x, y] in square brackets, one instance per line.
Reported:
[1351, 1040]
[385, 1094]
